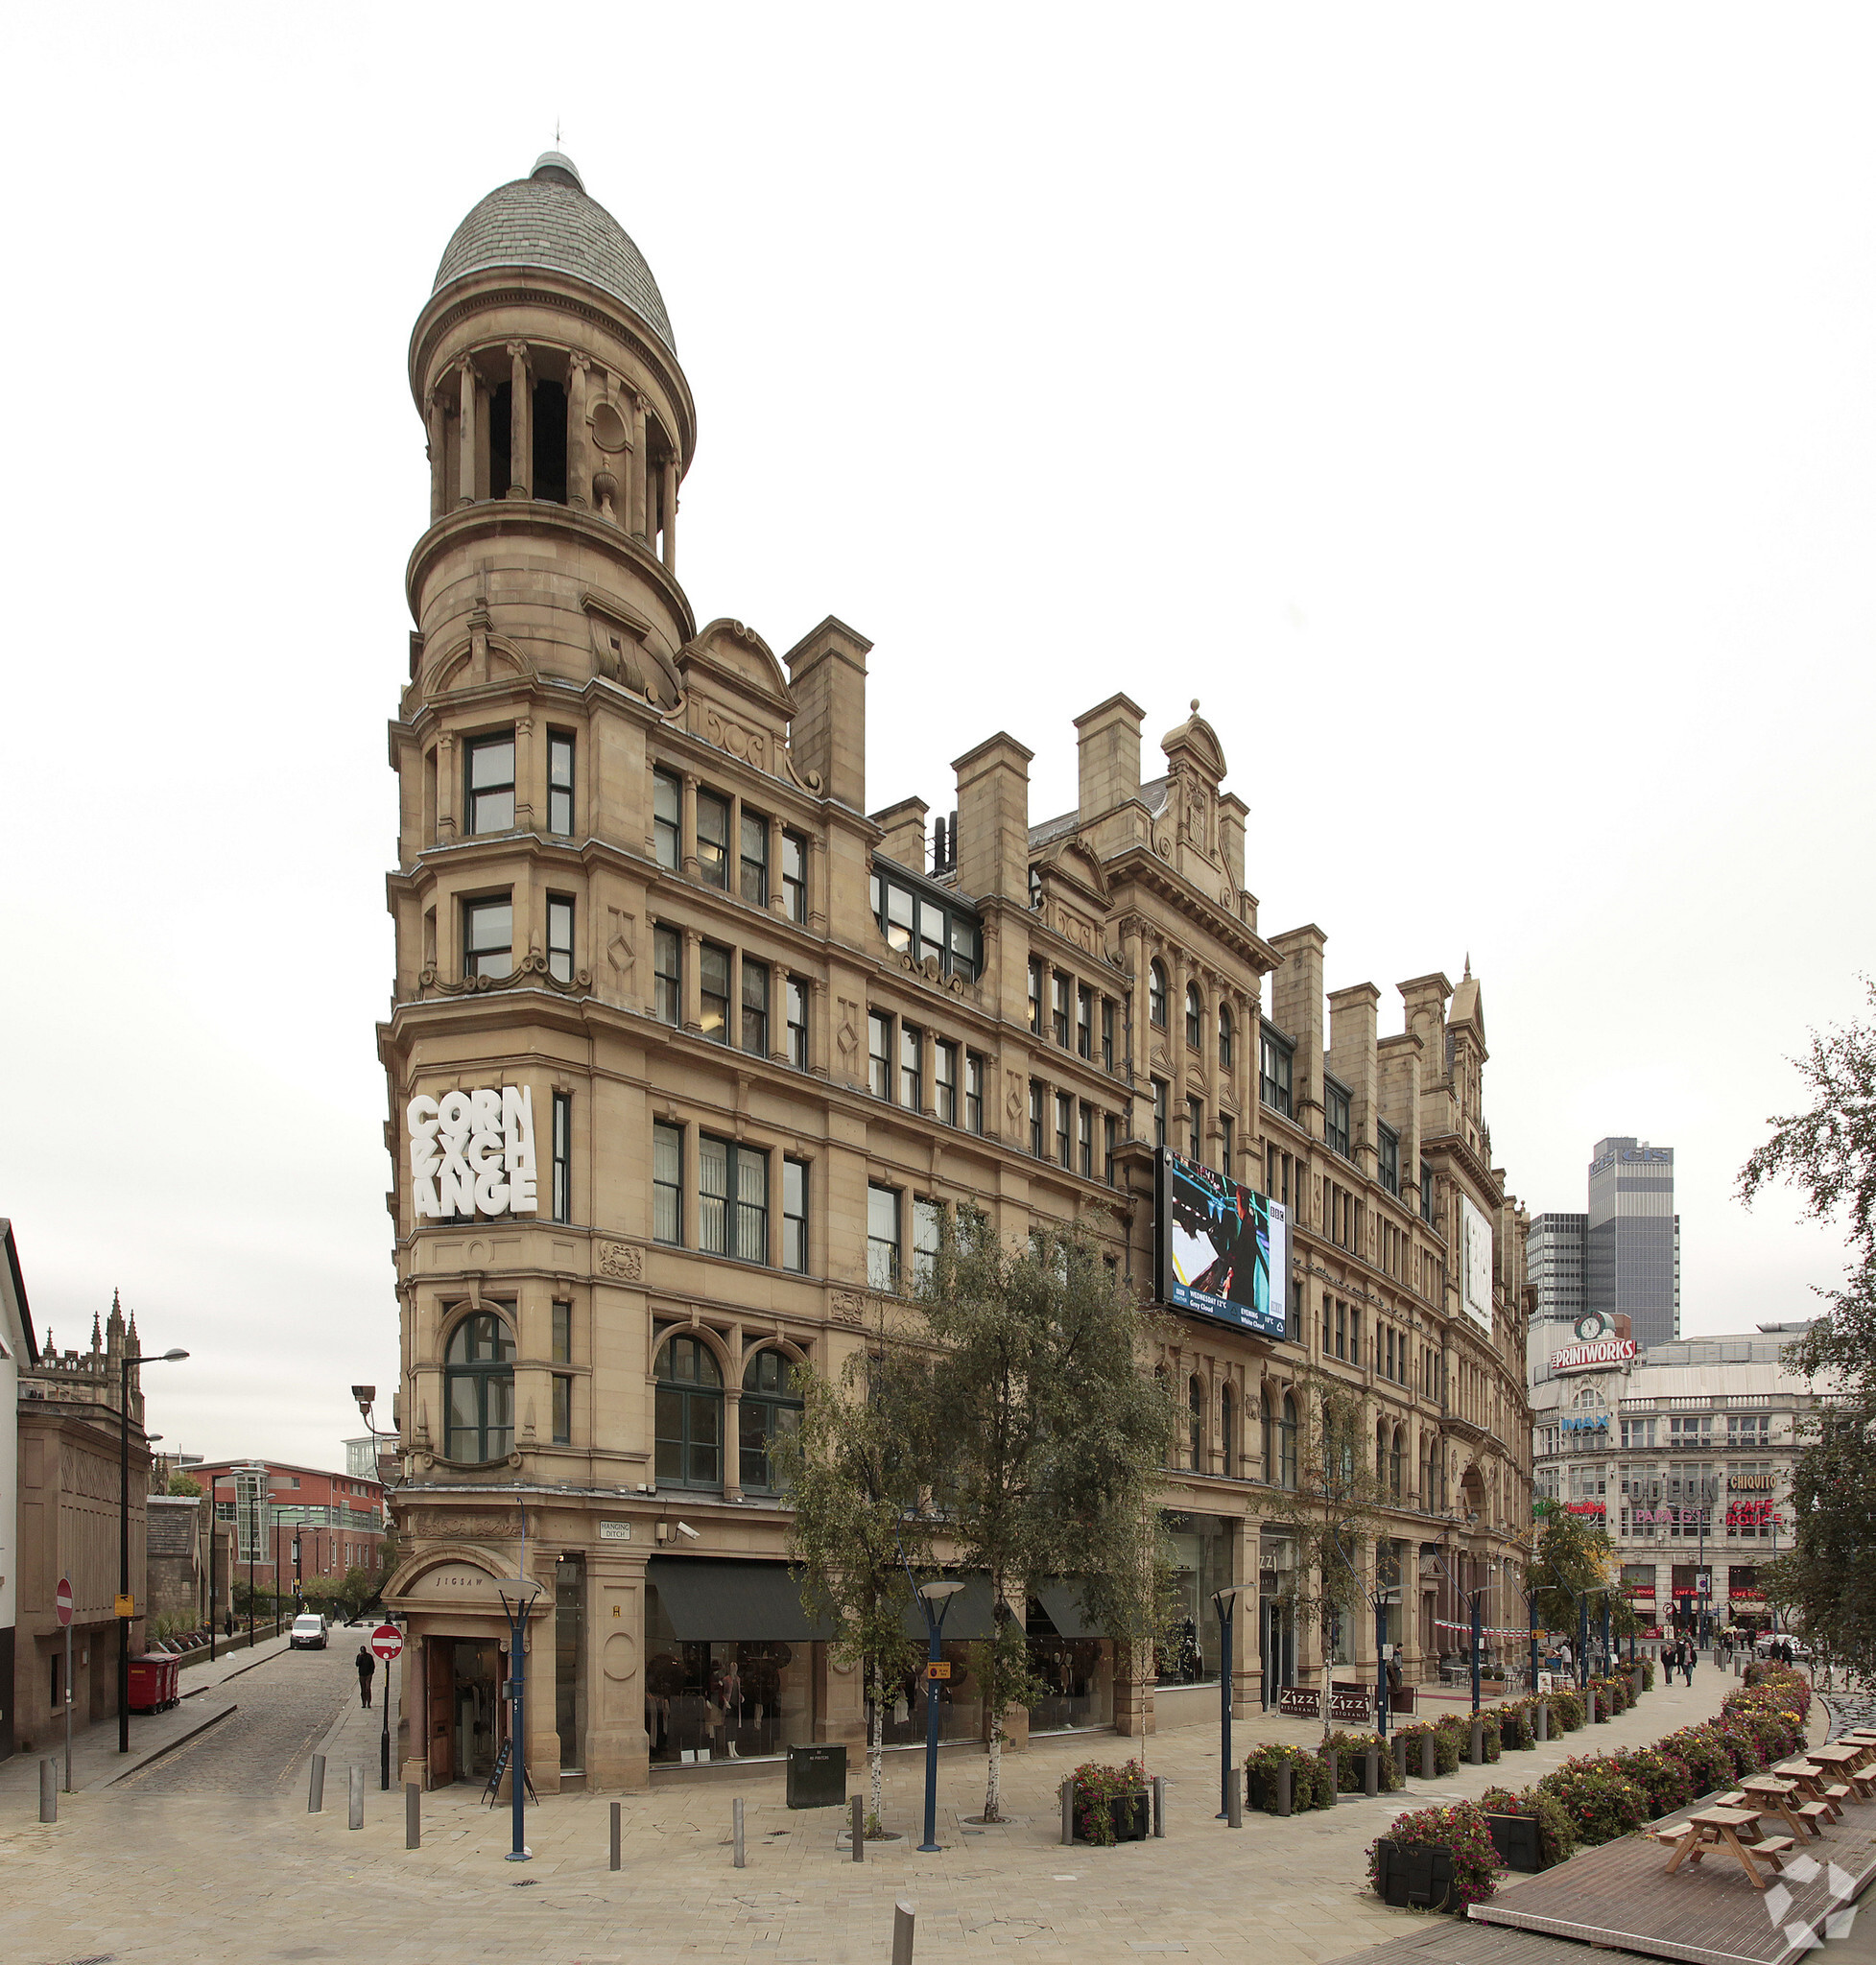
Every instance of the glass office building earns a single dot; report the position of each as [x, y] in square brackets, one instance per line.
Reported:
[1632, 1264]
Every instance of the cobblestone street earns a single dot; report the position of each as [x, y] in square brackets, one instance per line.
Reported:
[140, 1873]
[287, 1705]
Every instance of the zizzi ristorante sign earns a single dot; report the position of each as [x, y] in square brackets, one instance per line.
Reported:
[472, 1153]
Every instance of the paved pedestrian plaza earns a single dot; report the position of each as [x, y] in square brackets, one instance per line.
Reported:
[132, 1872]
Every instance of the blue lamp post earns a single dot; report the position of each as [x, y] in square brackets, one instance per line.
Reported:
[527, 1593]
[934, 1599]
[1226, 1602]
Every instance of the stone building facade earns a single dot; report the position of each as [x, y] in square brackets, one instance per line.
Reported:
[689, 1045]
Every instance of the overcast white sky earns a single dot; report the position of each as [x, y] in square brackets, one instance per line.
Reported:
[1473, 407]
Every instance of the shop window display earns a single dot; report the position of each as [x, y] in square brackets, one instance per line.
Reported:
[1202, 1564]
[1077, 1676]
[703, 1702]
[961, 1703]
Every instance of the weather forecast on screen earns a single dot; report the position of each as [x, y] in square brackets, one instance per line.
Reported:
[1219, 1245]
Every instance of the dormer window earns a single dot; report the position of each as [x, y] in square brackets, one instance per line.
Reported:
[922, 920]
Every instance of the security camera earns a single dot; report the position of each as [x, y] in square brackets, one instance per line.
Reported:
[364, 1394]
[689, 1534]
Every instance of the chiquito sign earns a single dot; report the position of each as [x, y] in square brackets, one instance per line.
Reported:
[472, 1153]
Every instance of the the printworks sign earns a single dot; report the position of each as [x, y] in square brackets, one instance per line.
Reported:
[472, 1153]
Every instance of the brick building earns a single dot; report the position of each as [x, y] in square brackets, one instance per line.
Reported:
[690, 1047]
[293, 1523]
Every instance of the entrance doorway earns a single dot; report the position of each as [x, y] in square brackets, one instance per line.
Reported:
[466, 1718]
[1279, 1649]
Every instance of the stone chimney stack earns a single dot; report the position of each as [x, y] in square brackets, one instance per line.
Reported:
[1296, 1010]
[827, 733]
[902, 833]
[993, 819]
[1109, 743]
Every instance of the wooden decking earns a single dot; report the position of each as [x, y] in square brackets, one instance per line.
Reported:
[1619, 1896]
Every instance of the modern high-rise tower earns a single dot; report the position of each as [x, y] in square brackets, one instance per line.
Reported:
[1633, 1239]
[1558, 1255]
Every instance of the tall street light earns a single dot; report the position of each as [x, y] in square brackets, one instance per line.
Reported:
[124, 1604]
[1224, 1602]
[934, 1599]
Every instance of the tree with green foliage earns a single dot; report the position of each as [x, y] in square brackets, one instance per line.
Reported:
[1046, 1439]
[1828, 1153]
[1574, 1559]
[1334, 1515]
[854, 1478]
[181, 1485]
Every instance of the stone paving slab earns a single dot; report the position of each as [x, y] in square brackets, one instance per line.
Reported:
[146, 1878]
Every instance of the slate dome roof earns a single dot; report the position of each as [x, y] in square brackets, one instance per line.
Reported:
[546, 219]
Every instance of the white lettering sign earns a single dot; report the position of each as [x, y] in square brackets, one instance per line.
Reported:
[1604, 1353]
[615, 1531]
[472, 1153]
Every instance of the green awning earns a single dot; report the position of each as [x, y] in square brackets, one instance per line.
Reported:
[1062, 1602]
[712, 1602]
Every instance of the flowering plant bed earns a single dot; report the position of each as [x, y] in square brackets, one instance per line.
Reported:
[1661, 1774]
[1517, 1727]
[1111, 1803]
[1567, 1713]
[1311, 1784]
[1708, 1760]
[1406, 1866]
[1351, 1762]
[1602, 1801]
[1556, 1839]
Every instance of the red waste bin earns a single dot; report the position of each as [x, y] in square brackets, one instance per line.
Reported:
[153, 1684]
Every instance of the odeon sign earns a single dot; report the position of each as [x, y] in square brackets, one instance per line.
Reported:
[472, 1153]
[1603, 1353]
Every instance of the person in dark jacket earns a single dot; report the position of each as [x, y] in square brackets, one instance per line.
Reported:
[366, 1666]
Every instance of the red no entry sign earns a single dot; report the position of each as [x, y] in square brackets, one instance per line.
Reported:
[387, 1640]
[62, 1599]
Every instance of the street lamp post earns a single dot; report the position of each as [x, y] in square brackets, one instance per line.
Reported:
[123, 1539]
[934, 1599]
[1226, 1602]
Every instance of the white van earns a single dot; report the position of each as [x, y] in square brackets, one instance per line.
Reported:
[308, 1633]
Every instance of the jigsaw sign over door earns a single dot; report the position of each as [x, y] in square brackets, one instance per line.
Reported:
[472, 1153]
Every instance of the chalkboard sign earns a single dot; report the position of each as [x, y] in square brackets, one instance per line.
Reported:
[491, 1793]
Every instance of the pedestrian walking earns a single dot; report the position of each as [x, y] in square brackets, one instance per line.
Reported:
[366, 1666]
[1688, 1654]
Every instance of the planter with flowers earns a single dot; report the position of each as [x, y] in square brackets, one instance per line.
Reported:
[1661, 1774]
[1351, 1762]
[1529, 1822]
[1567, 1712]
[1436, 1858]
[1110, 1804]
[1310, 1779]
[1517, 1727]
[1601, 1800]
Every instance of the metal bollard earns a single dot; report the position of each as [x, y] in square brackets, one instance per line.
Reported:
[316, 1786]
[857, 1838]
[1429, 1754]
[1159, 1805]
[1067, 1815]
[1285, 1779]
[902, 1926]
[1331, 1760]
[1475, 1747]
[738, 1855]
[1234, 1803]
[1371, 1774]
[613, 1854]
[355, 1805]
[1400, 1756]
[413, 1815]
[1543, 1721]
[49, 1790]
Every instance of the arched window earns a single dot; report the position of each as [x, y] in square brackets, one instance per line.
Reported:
[1195, 1398]
[1227, 1430]
[1287, 1443]
[1156, 994]
[1195, 1016]
[1393, 1464]
[688, 1422]
[1224, 1037]
[1267, 1423]
[769, 1410]
[479, 1389]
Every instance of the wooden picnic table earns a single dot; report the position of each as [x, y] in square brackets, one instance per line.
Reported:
[1776, 1795]
[1712, 1828]
[1846, 1760]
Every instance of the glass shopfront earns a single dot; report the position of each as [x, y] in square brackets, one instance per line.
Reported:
[746, 1700]
[961, 1701]
[1076, 1668]
[1202, 1546]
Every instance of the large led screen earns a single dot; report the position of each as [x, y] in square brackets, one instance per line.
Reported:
[1477, 1255]
[1224, 1249]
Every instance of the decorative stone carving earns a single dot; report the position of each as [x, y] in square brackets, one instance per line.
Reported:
[847, 1033]
[850, 1305]
[459, 1525]
[621, 1263]
[1076, 928]
[1013, 1104]
[750, 746]
[619, 950]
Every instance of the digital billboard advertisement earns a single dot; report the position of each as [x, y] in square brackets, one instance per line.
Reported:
[1476, 1253]
[1224, 1249]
